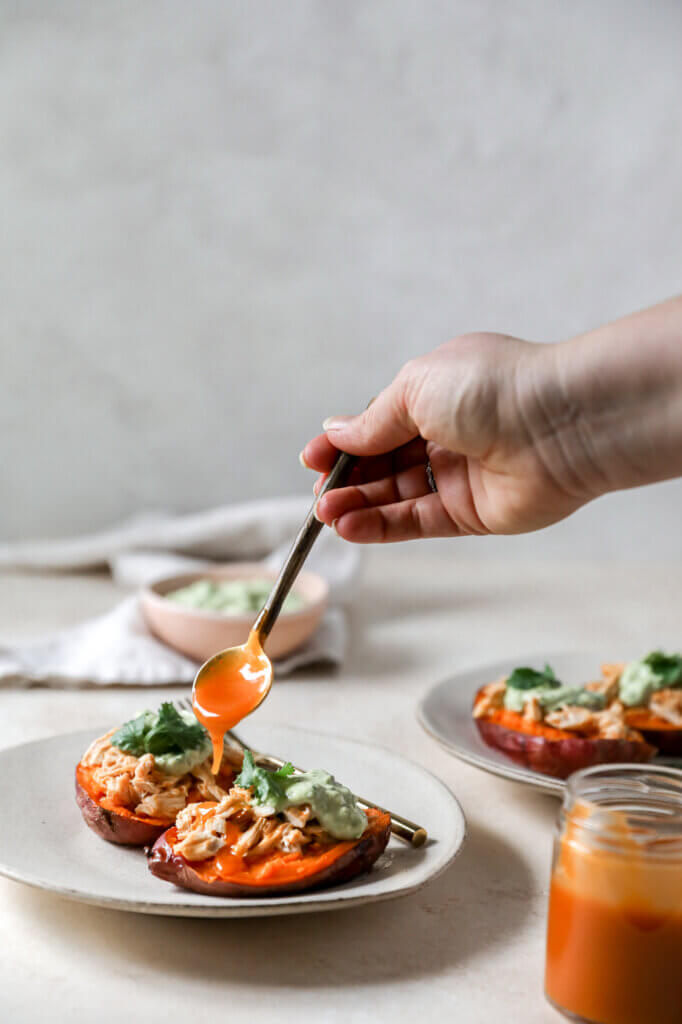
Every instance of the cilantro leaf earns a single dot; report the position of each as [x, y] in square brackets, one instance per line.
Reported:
[132, 735]
[667, 666]
[171, 733]
[530, 679]
[166, 732]
[268, 788]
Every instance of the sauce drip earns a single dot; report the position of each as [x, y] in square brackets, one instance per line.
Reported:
[229, 688]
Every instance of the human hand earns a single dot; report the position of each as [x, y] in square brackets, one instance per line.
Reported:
[485, 411]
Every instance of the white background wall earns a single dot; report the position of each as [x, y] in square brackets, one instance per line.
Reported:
[221, 221]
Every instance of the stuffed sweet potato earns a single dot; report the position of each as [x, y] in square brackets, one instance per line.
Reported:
[556, 730]
[131, 782]
[651, 690]
[275, 833]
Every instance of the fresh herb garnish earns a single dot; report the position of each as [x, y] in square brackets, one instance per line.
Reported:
[530, 679]
[166, 732]
[268, 787]
[131, 737]
[667, 666]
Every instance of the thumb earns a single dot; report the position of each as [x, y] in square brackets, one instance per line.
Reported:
[384, 425]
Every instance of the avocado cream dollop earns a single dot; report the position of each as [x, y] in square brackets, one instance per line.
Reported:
[332, 804]
[231, 597]
[179, 764]
[640, 679]
[551, 698]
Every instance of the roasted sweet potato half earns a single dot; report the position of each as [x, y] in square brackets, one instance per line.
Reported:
[663, 735]
[553, 751]
[118, 824]
[113, 823]
[277, 873]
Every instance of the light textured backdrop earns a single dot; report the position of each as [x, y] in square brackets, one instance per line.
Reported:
[221, 221]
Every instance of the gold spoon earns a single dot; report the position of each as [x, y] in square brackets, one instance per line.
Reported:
[233, 683]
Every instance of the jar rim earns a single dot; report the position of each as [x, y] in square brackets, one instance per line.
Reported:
[646, 799]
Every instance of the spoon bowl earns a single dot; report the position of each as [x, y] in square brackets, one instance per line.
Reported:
[228, 687]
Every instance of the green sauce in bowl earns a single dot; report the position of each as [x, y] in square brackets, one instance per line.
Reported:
[230, 597]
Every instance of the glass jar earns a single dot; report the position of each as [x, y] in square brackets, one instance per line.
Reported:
[614, 933]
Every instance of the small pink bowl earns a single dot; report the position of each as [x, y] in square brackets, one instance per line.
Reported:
[201, 634]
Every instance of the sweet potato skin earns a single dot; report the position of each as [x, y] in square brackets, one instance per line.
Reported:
[560, 757]
[171, 867]
[663, 735]
[667, 741]
[115, 828]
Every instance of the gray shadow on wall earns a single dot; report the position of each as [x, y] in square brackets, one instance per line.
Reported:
[424, 934]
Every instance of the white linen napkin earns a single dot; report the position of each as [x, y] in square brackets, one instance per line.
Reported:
[117, 648]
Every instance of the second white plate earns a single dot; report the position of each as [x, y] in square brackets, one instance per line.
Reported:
[445, 711]
[45, 843]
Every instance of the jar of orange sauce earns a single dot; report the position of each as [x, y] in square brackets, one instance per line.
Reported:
[614, 937]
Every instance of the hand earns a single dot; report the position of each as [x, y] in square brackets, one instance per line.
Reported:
[485, 410]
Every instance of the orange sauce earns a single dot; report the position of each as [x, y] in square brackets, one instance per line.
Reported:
[614, 937]
[230, 688]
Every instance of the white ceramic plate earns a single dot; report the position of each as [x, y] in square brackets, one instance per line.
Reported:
[45, 843]
[445, 711]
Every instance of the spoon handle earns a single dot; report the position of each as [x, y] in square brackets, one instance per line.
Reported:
[307, 535]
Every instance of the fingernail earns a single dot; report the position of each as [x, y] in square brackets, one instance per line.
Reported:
[301, 459]
[335, 422]
[316, 514]
[334, 522]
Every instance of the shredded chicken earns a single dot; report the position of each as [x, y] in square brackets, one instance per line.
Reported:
[202, 828]
[612, 724]
[120, 790]
[199, 846]
[490, 698]
[667, 704]
[299, 816]
[609, 724]
[532, 710]
[97, 749]
[613, 670]
[206, 782]
[137, 784]
[280, 836]
[572, 719]
[608, 686]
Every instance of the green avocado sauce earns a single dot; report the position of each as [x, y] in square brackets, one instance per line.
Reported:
[556, 697]
[332, 804]
[230, 597]
[526, 683]
[641, 679]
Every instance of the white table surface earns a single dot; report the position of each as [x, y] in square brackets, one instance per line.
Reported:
[468, 947]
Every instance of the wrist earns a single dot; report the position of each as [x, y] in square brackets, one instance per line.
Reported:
[622, 398]
[558, 408]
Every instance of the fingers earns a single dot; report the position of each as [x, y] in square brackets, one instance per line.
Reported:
[320, 454]
[414, 518]
[384, 425]
[401, 486]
